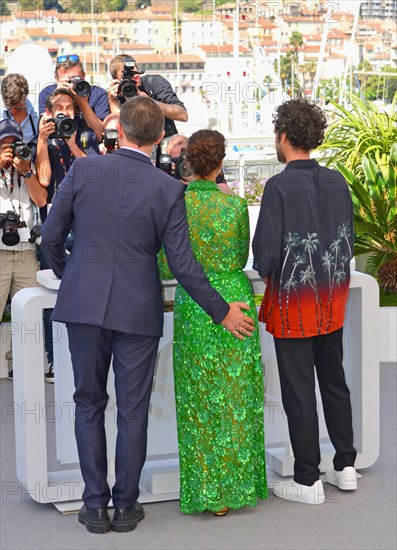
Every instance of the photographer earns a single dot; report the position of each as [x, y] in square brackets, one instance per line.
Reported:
[110, 141]
[180, 169]
[92, 101]
[60, 141]
[124, 70]
[19, 189]
[17, 107]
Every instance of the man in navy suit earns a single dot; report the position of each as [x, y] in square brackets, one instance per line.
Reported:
[122, 210]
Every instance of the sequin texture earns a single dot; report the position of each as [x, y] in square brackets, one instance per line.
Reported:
[218, 378]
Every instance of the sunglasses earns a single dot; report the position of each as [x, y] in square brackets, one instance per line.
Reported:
[63, 58]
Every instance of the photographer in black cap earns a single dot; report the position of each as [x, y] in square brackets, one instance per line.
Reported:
[129, 81]
[19, 192]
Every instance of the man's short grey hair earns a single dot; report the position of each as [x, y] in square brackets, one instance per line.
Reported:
[142, 120]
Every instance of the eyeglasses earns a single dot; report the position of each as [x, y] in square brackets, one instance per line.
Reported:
[63, 58]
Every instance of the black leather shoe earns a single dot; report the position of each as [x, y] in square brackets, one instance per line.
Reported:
[96, 521]
[126, 519]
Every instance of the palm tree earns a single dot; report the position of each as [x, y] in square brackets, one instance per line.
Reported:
[310, 68]
[310, 244]
[299, 259]
[296, 41]
[291, 240]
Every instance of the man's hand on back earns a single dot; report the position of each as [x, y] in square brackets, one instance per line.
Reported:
[236, 322]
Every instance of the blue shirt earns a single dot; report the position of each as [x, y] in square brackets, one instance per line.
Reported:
[98, 100]
[29, 125]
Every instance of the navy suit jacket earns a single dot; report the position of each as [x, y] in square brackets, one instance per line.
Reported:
[122, 210]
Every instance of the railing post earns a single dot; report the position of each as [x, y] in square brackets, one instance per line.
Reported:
[241, 171]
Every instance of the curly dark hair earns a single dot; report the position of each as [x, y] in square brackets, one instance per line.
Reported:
[303, 123]
[14, 89]
[205, 151]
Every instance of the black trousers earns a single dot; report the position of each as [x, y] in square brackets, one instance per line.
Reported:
[297, 358]
[134, 359]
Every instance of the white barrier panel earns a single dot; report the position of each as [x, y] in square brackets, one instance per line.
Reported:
[160, 479]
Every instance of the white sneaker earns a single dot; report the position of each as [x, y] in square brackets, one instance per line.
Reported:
[295, 492]
[345, 480]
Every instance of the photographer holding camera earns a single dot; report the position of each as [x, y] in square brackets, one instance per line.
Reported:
[60, 141]
[180, 168]
[110, 141]
[19, 191]
[128, 81]
[92, 101]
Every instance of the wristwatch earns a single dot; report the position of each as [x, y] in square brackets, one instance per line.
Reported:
[28, 174]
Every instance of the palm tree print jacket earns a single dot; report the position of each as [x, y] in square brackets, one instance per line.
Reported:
[303, 244]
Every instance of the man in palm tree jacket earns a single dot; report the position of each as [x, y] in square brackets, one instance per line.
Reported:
[302, 246]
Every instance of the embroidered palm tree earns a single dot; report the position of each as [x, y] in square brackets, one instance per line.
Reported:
[327, 265]
[271, 293]
[299, 259]
[344, 233]
[310, 245]
[291, 240]
[307, 276]
[340, 275]
[335, 249]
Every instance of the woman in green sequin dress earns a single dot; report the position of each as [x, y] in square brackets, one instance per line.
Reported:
[218, 378]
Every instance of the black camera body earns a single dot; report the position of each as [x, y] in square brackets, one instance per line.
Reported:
[21, 150]
[110, 138]
[80, 86]
[65, 127]
[35, 233]
[183, 169]
[10, 222]
[128, 88]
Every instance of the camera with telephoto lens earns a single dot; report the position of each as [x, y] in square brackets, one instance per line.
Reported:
[110, 137]
[21, 150]
[183, 169]
[9, 223]
[65, 126]
[80, 86]
[128, 88]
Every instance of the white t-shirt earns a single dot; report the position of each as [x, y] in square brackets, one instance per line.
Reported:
[16, 201]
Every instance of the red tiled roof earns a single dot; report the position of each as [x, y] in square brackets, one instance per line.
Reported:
[221, 48]
[33, 32]
[125, 46]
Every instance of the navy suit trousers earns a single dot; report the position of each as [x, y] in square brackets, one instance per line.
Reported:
[134, 358]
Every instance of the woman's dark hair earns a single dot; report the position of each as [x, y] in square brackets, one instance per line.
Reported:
[302, 122]
[205, 151]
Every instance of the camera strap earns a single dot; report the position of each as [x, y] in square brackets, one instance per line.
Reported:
[4, 175]
[62, 162]
[9, 175]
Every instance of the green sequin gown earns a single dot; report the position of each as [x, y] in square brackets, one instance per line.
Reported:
[218, 378]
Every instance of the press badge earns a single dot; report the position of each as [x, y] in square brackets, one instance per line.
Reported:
[24, 234]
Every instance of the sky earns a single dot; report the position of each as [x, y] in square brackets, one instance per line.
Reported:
[346, 5]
